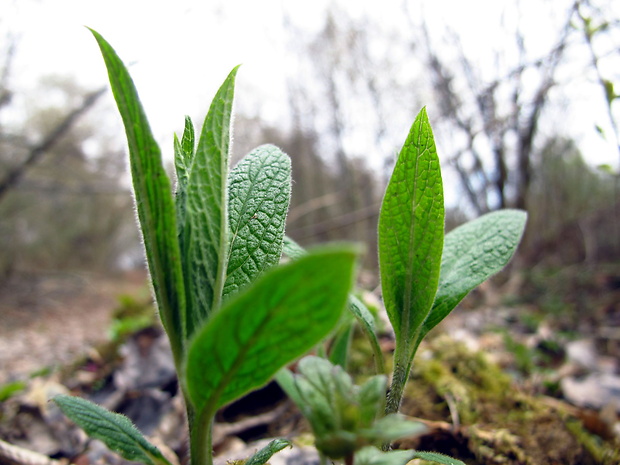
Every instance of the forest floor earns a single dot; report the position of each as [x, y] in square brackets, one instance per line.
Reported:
[533, 379]
[51, 319]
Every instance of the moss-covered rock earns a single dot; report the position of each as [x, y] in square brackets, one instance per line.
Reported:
[477, 414]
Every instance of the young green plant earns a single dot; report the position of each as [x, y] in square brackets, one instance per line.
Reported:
[424, 272]
[233, 317]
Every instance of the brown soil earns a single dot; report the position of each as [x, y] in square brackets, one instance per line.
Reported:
[48, 320]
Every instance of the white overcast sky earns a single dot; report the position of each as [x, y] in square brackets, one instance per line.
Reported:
[183, 49]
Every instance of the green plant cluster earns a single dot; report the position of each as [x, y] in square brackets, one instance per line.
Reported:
[235, 316]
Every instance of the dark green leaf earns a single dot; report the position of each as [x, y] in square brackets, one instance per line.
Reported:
[411, 231]
[259, 195]
[262, 456]
[115, 430]
[154, 200]
[472, 253]
[286, 312]
[204, 235]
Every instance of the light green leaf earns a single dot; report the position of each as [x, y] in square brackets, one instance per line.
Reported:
[154, 200]
[392, 427]
[372, 456]
[472, 253]
[286, 312]
[292, 249]
[183, 158]
[437, 458]
[411, 231]
[372, 399]
[367, 323]
[184, 155]
[259, 195]
[115, 430]
[262, 456]
[204, 235]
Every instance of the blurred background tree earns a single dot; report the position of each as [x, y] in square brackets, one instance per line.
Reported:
[355, 83]
[65, 202]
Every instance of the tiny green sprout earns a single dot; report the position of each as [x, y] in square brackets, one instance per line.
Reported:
[344, 417]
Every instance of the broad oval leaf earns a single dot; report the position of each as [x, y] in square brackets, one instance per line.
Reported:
[281, 316]
[154, 200]
[259, 193]
[367, 322]
[472, 253]
[411, 231]
[204, 234]
[115, 430]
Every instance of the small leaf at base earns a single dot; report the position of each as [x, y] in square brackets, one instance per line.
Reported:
[115, 430]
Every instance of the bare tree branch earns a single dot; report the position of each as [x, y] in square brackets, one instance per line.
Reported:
[15, 174]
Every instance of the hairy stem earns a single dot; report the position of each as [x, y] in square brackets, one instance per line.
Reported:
[201, 438]
[400, 376]
[403, 359]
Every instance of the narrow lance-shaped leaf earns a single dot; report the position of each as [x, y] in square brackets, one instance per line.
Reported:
[154, 200]
[183, 158]
[204, 234]
[262, 456]
[259, 195]
[437, 458]
[115, 430]
[411, 230]
[285, 313]
[184, 154]
[472, 253]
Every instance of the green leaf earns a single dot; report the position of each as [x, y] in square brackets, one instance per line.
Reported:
[372, 456]
[262, 456]
[204, 234]
[437, 458]
[472, 253]
[367, 323]
[287, 311]
[8, 390]
[183, 158]
[339, 348]
[392, 427]
[411, 231]
[184, 155]
[259, 195]
[115, 430]
[294, 251]
[372, 399]
[154, 200]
